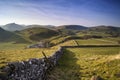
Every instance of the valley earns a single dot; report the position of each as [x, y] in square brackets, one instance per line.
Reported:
[77, 63]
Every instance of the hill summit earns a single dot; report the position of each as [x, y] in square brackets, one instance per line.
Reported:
[13, 27]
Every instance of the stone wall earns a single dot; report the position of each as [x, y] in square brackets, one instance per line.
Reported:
[33, 69]
[81, 46]
[37, 69]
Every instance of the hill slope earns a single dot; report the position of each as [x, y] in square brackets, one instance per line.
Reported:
[13, 27]
[37, 33]
[105, 30]
[41, 26]
[72, 27]
[6, 36]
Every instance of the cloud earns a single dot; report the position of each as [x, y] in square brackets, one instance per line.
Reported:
[86, 12]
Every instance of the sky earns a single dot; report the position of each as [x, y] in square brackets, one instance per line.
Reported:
[60, 12]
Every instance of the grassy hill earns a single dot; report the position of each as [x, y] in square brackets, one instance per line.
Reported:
[13, 27]
[6, 36]
[76, 63]
[37, 33]
[41, 26]
[83, 63]
[72, 27]
[102, 31]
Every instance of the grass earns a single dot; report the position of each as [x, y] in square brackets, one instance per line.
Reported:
[82, 33]
[58, 40]
[68, 43]
[22, 54]
[12, 45]
[95, 42]
[83, 63]
[10, 52]
[37, 33]
[76, 63]
[112, 39]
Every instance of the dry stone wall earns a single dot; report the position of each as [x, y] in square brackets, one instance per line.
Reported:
[33, 69]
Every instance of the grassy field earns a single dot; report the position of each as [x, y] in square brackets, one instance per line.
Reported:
[68, 43]
[22, 54]
[96, 42]
[112, 39]
[76, 63]
[93, 33]
[83, 63]
[58, 40]
[10, 52]
[11, 45]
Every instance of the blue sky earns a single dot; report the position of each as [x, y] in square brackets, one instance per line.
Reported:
[60, 12]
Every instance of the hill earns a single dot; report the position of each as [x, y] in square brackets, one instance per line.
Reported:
[103, 30]
[37, 33]
[13, 27]
[6, 36]
[72, 27]
[41, 26]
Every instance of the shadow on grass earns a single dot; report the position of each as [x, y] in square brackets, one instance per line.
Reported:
[67, 68]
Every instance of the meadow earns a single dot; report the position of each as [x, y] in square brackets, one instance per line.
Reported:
[96, 42]
[76, 63]
[83, 63]
[10, 52]
[58, 39]
[115, 39]
[12, 45]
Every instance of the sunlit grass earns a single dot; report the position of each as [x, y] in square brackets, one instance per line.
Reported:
[95, 42]
[10, 52]
[83, 63]
[12, 45]
[58, 40]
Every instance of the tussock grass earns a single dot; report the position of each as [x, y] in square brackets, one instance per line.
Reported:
[95, 42]
[83, 63]
[10, 52]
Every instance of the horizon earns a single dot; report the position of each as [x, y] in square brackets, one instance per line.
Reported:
[58, 25]
[60, 12]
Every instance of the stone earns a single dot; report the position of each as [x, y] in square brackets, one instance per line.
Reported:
[33, 69]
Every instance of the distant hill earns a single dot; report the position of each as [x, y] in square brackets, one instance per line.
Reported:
[38, 33]
[72, 27]
[41, 26]
[111, 30]
[6, 36]
[13, 27]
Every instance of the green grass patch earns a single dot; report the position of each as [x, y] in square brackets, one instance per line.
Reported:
[10, 52]
[12, 45]
[83, 63]
[95, 42]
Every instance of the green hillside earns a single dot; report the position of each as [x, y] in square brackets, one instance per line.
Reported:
[6, 36]
[37, 33]
[72, 27]
[102, 31]
[83, 63]
[41, 26]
